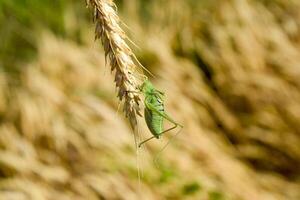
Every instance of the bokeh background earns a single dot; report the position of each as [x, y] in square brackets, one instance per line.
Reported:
[230, 70]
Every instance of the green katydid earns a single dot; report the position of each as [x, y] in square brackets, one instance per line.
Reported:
[154, 111]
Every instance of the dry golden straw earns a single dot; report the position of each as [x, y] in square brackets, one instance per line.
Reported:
[119, 53]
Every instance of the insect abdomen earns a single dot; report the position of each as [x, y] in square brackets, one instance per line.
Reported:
[154, 122]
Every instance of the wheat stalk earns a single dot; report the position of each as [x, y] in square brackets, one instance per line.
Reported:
[119, 53]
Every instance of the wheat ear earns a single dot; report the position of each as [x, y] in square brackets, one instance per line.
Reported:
[119, 53]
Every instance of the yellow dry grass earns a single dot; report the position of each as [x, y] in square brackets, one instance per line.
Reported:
[232, 81]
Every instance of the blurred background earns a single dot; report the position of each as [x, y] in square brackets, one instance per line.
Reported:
[230, 70]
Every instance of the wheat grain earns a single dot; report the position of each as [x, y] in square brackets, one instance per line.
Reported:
[119, 53]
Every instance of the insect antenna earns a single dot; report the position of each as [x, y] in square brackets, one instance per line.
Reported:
[118, 108]
[140, 76]
[142, 66]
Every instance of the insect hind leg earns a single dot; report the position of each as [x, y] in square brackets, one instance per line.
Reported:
[146, 141]
[156, 158]
[169, 129]
[158, 134]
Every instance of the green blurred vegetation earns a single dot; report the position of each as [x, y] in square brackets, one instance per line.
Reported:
[21, 22]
